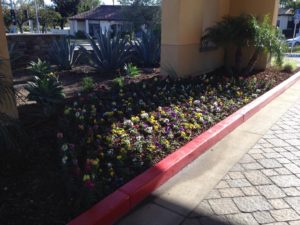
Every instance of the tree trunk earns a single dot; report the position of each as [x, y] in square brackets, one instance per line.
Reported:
[252, 62]
[238, 60]
[226, 61]
[62, 24]
[20, 25]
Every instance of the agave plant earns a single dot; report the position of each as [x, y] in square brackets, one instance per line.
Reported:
[63, 53]
[45, 91]
[40, 68]
[147, 49]
[109, 53]
[131, 70]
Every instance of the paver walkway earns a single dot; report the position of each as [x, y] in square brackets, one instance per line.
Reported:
[250, 177]
[264, 186]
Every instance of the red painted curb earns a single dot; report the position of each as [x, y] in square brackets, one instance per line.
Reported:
[106, 212]
[116, 205]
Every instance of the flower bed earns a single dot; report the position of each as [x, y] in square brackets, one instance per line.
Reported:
[109, 137]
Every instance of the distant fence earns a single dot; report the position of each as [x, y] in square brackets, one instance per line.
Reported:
[31, 46]
[63, 32]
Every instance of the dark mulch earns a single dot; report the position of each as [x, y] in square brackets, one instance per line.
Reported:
[31, 184]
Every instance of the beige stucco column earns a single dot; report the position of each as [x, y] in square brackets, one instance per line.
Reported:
[184, 22]
[5, 69]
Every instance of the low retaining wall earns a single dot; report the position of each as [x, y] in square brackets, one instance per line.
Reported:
[29, 47]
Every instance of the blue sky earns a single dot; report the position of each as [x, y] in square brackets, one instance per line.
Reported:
[106, 2]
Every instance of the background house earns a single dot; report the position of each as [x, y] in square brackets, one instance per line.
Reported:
[285, 22]
[105, 17]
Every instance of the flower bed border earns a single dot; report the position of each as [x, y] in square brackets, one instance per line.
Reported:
[119, 203]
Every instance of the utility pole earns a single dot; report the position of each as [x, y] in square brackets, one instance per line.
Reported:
[37, 17]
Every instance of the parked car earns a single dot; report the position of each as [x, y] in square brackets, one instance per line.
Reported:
[293, 41]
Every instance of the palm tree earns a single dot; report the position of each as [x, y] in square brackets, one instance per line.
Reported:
[6, 89]
[10, 130]
[266, 39]
[220, 34]
[231, 31]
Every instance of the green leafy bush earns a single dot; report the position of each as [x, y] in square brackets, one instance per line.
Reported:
[119, 81]
[147, 49]
[131, 70]
[266, 39]
[109, 53]
[40, 68]
[87, 84]
[62, 53]
[47, 92]
[289, 66]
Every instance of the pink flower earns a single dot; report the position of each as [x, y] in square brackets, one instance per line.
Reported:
[89, 184]
[60, 135]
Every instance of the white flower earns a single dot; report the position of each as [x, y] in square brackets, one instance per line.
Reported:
[110, 152]
[77, 114]
[139, 138]
[171, 135]
[64, 147]
[198, 109]
[75, 103]
[134, 160]
[64, 159]
[216, 104]
[197, 102]
[144, 115]
[128, 123]
[141, 102]
[109, 165]
[114, 103]
[149, 130]
[166, 120]
[84, 111]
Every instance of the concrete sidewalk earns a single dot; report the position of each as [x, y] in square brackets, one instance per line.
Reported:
[251, 177]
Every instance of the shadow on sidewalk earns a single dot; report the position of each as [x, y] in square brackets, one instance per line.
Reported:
[162, 212]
